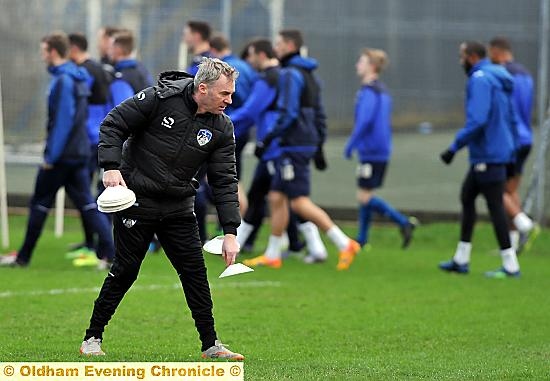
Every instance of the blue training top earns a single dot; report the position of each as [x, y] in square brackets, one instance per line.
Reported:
[371, 136]
[490, 131]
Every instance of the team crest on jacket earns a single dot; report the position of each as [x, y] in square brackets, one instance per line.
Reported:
[203, 136]
[128, 222]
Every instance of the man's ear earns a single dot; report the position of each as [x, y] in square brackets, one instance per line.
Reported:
[203, 88]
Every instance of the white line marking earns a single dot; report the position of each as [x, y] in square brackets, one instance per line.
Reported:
[151, 287]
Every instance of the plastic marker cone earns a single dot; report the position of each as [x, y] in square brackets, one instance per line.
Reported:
[214, 246]
[115, 199]
[236, 269]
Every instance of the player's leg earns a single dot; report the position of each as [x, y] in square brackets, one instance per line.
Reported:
[493, 191]
[179, 236]
[132, 237]
[364, 196]
[48, 182]
[259, 188]
[240, 143]
[461, 259]
[278, 205]
[78, 182]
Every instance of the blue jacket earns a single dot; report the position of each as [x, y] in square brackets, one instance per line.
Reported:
[301, 124]
[490, 130]
[243, 87]
[371, 136]
[260, 109]
[67, 139]
[130, 78]
[523, 101]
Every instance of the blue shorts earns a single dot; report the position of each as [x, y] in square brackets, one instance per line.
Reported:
[292, 174]
[516, 168]
[489, 173]
[370, 175]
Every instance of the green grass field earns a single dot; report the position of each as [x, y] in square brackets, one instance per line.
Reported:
[393, 315]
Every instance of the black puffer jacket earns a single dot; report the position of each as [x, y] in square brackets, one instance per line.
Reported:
[158, 142]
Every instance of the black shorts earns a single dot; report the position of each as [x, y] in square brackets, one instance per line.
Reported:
[371, 175]
[516, 168]
[489, 173]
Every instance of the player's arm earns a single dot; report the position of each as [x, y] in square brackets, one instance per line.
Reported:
[261, 96]
[65, 109]
[364, 114]
[477, 113]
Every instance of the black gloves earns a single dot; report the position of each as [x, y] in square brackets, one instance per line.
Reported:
[447, 156]
[262, 146]
[319, 159]
[260, 150]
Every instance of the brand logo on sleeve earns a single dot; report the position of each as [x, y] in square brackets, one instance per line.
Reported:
[167, 122]
[141, 95]
[128, 222]
[203, 136]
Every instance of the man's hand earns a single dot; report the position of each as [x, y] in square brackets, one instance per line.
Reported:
[259, 150]
[113, 178]
[319, 159]
[47, 166]
[447, 156]
[230, 249]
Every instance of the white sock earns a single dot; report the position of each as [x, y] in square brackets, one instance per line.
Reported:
[273, 250]
[243, 232]
[338, 237]
[514, 239]
[315, 245]
[523, 223]
[509, 260]
[462, 254]
[284, 242]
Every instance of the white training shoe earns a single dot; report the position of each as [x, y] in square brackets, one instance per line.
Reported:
[91, 347]
[219, 351]
[9, 259]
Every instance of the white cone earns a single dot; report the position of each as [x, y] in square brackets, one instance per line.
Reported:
[236, 269]
[214, 246]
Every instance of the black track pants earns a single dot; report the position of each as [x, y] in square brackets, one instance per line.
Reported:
[179, 238]
[493, 193]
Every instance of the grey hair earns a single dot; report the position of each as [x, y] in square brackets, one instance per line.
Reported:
[211, 69]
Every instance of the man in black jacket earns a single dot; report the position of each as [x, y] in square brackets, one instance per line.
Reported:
[154, 143]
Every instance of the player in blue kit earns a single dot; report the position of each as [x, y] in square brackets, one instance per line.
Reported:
[371, 139]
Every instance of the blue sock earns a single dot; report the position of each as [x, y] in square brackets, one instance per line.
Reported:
[365, 214]
[382, 207]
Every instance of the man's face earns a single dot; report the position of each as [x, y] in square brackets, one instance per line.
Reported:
[103, 43]
[465, 60]
[46, 54]
[363, 66]
[253, 58]
[190, 38]
[216, 96]
[496, 55]
[282, 47]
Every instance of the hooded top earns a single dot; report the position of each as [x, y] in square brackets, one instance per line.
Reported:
[523, 100]
[371, 136]
[130, 77]
[67, 138]
[301, 125]
[166, 142]
[490, 131]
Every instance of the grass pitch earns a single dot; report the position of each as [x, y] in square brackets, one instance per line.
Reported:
[393, 315]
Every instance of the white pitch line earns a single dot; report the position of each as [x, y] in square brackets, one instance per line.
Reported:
[151, 287]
